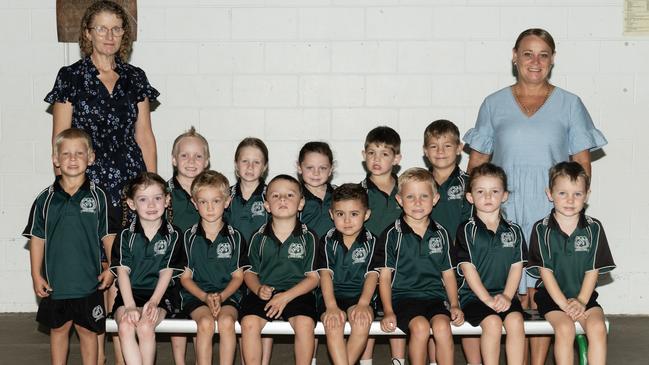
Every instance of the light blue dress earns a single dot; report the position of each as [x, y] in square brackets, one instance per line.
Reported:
[526, 147]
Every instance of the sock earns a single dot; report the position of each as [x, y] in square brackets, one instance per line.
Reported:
[366, 362]
[313, 361]
[397, 361]
[432, 363]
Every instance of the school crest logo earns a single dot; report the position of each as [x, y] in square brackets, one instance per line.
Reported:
[88, 205]
[97, 313]
[160, 247]
[296, 251]
[434, 245]
[582, 244]
[359, 255]
[507, 239]
[223, 250]
[455, 192]
[257, 209]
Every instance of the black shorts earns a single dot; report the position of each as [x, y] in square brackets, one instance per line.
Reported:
[142, 296]
[304, 305]
[343, 304]
[545, 303]
[87, 312]
[476, 311]
[407, 309]
[192, 304]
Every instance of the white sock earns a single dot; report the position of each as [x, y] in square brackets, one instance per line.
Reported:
[366, 362]
[313, 361]
[432, 363]
[397, 361]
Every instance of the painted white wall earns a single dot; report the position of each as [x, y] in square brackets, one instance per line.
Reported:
[289, 71]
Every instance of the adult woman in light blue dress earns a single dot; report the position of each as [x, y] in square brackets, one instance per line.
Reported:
[528, 127]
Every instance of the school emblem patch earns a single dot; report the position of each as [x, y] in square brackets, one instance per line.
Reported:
[160, 247]
[434, 245]
[88, 205]
[582, 244]
[455, 192]
[507, 239]
[296, 251]
[359, 255]
[257, 209]
[223, 250]
[97, 313]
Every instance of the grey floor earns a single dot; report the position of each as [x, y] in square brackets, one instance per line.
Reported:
[21, 341]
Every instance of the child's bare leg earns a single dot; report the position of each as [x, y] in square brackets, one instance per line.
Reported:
[357, 340]
[441, 325]
[368, 353]
[111, 293]
[492, 328]
[596, 332]
[471, 348]
[431, 350]
[398, 348]
[88, 345]
[336, 344]
[126, 330]
[564, 337]
[419, 334]
[515, 341]
[146, 337]
[267, 350]
[227, 337]
[59, 342]
[101, 348]
[179, 348]
[204, 333]
[251, 327]
[539, 345]
[303, 327]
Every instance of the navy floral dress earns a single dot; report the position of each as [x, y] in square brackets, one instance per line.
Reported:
[108, 118]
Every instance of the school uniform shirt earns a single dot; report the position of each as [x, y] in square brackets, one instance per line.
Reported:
[569, 257]
[491, 253]
[282, 264]
[452, 208]
[212, 263]
[145, 258]
[417, 263]
[246, 215]
[184, 214]
[348, 266]
[385, 209]
[73, 228]
[315, 213]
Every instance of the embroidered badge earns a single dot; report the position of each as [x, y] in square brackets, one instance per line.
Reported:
[507, 239]
[257, 209]
[359, 255]
[582, 244]
[88, 205]
[434, 245]
[296, 251]
[223, 250]
[160, 247]
[455, 192]
[97, 313]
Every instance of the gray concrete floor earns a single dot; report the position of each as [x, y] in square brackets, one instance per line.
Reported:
[21, 341]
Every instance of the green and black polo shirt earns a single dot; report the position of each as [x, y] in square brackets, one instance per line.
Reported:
[145, 259]
[185, 214]
[73, 228]
[247, 215]
[452, 208]
[569, 257]
[491, 253]
[417, 263]
[315, 213]
[348, 266]
[282, 264]
[385, 208]
[212, 263]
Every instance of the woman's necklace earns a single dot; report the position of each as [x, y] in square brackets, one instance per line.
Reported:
[532, 107]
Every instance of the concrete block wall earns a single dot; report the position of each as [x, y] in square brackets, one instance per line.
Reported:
[289, 71]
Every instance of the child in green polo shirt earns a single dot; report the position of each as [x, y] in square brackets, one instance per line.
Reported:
[314, 167]
[417, 281]
[282, 274]
[145, 257]
[490, 253]
[68, 224]
[348, 285]
[214, 272]
[568, 251]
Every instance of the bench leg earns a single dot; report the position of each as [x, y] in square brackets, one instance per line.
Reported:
[582, 345]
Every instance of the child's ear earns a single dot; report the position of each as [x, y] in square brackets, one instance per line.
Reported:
[397, 159]
[298, 168]
[302, 202]
[549, 194]
[587, 196]
[266, 206]
[331, 214]
[194, 202]
[130, 203]
[167, 200]
[368, 213]
[399, 200]
[469, 198]
[227, 201]
[435, 198]
[460, 147]
[505, 196]
[363, 154]
[174, 162]
[55, 160]
[91, 158]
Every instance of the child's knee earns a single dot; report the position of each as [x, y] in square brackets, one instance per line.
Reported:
[564, 330]
[596, 330]
[125, 328]
[441, 328]
[492, 325]
[145, 330]
[226, 323]
[419, 327]
[250, 324]
[205, 325]
[303, 323]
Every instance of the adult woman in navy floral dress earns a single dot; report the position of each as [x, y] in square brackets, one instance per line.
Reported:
[109, 99]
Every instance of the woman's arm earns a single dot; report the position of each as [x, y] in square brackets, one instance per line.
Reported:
[583, 158]
[61, 120]
[144, 136]
[476, 159]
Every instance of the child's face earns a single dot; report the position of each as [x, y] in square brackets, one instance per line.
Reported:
[190, 159]
[349, 216]
[568, 197]
[251, 164]
[487, 194]
[417, 199]
[149, 203]
[315, 169]
[211, 202]
[380, 159]
[283, 199]
[73, 157]
[442, 151]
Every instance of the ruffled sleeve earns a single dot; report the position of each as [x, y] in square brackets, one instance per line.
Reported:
[63, 89]
[143, 87]
[582, 134]
[481, 137]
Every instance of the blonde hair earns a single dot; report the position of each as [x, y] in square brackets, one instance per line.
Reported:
[110, 7]
[417, 174]
[191, 133]
[71, 133]
[210, 179]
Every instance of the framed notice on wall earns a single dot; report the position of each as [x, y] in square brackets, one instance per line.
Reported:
[636, 17]
[69, 13]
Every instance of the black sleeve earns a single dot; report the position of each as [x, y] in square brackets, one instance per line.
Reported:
[243, 252]
[603, 258]
[321, 254]
[378, 259]
[460, 250]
